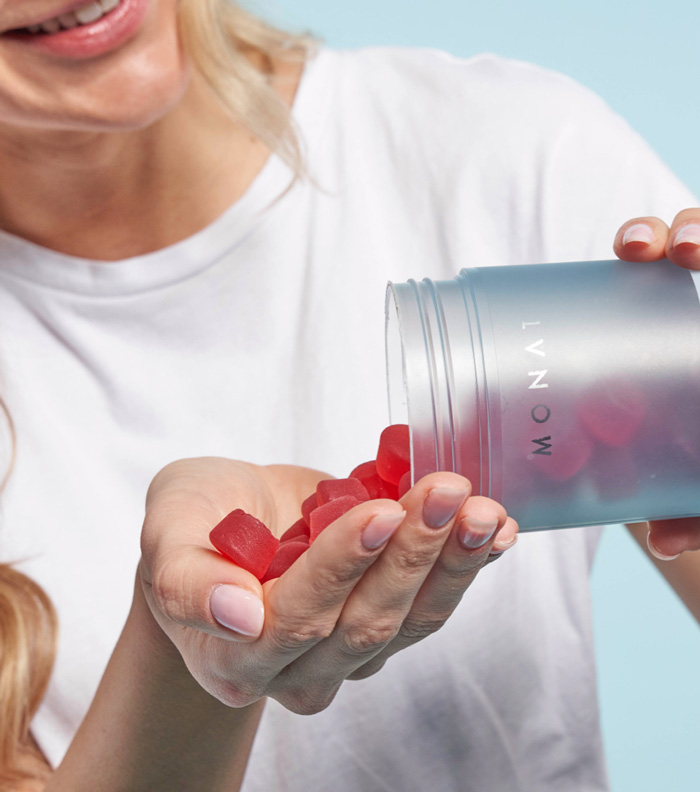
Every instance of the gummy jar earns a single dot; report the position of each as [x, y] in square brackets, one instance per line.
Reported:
[570, 393]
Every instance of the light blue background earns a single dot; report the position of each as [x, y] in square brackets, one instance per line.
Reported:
[644, 59]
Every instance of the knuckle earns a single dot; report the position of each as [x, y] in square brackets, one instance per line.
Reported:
[300, 637]
[331, 579]
[456, 579]
[414, 630]
[416, 560]
[235, 695]
[308, 700]
[358, 641]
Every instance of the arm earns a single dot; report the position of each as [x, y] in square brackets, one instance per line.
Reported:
[151, 727]
[667, 542]
[379, 579]
[682, 573]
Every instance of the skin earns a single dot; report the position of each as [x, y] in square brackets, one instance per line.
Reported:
[664, 540]
[118, 137]
[74, 161]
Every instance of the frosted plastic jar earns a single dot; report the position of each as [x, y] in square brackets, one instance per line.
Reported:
[568, 392]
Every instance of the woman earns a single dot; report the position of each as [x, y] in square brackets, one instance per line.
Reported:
[169, 292]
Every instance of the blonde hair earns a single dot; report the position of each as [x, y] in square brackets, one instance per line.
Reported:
[28, 630]
[235, 52]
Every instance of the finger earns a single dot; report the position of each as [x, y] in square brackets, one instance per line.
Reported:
[480, 522]
[641, 239]
[303, 605]
[683, 244]
[185, 581]
[667, 539]
[506, 537]
[197, 588]
[376, 609]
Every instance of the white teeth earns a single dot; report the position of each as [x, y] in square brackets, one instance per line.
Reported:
[89, 13]
[68, 21]
[50, 26]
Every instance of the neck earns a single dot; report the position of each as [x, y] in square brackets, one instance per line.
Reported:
[113, 196]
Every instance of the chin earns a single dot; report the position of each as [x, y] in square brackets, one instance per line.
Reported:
[128, 105]
[129, 89]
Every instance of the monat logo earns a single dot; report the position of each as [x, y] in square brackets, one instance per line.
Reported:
[540, 413]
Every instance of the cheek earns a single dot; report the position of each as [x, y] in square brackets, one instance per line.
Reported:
[129, 90]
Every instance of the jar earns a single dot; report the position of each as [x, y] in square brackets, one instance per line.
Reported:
[569, 392]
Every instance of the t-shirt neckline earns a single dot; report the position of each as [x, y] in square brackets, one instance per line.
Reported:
[24, 260]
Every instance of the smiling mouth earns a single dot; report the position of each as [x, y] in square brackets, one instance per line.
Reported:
[83, 15]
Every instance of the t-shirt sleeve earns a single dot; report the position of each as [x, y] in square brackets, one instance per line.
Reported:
[548, 171]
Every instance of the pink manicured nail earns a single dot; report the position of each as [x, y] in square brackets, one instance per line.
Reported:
[639, 232]
[380, 528]
[657, 554]
[474, 533]
[687, 235]
[441, 505]
[237, 609]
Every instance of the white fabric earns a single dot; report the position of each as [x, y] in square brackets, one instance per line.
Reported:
[261, 338]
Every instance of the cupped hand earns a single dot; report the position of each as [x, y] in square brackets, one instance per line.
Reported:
[650, 239]
[380, 578]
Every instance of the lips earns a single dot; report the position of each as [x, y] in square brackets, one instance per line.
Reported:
[99, 28]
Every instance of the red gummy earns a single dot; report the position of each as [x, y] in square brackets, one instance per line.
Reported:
[286, 555]
[323, 516]
[367, 475]
[615, 473]
[568, 455]
[405, 483]
[613, 412]
[246, 541]
[307, 506]
[331, 489]
[299, 529]
[394, 453]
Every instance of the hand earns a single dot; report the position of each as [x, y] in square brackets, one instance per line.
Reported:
[374, 582]
[650, 239]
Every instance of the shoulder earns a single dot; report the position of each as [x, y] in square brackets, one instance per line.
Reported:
[441, 116]
[428, 86]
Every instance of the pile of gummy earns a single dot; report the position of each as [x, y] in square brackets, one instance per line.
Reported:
[248, 542]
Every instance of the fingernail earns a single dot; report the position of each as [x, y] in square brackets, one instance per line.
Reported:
[237, 609]
[441, 505]
[474, 532]
[688, 235]
[657, 554]
[502, 548]
[380, 528]
[639, 232]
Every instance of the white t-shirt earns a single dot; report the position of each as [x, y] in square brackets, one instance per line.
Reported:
[261, 338]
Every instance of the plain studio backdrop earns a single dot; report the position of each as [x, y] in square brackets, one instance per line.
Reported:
[643, 59]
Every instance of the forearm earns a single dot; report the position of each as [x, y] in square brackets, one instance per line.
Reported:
[682, 574]
[151, 727]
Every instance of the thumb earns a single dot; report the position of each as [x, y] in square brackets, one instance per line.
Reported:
[186, 582]
[197, 588]
[668, 538]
